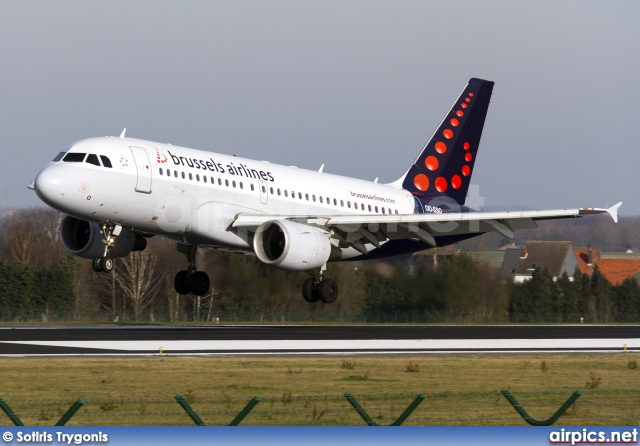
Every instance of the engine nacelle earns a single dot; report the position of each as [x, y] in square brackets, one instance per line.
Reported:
[291, 246]
[84, 239]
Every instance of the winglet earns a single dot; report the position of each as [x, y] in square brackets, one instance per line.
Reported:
[613, 211]
[123, 132]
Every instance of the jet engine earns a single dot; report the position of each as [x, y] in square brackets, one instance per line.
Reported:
[84, 239]
[291, 246]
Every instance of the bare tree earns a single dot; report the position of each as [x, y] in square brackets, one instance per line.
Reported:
[140, 279]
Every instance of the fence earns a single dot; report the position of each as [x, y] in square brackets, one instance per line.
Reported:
[317, 314]
[463, 408]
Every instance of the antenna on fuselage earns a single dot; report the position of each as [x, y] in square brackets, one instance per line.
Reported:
[123, 132]
[320, 170]
[376, 180]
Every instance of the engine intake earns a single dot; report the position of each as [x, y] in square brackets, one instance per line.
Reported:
[84, 239]
[291, 246]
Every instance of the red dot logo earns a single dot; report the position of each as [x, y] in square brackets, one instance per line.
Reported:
[463, 105]
[447, 133]
[456, 181]
[421, 182]
[454, 122]
[441, 184]
[441, 147]
[467, 99]
[466, 146]
[431, 162]
[471, 94]
[460, 113]
[468, 157]
[466, 170]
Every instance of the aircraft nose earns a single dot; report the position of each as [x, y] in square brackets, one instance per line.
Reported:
[49, 185]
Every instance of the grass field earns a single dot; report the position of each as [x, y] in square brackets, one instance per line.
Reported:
[460, 390]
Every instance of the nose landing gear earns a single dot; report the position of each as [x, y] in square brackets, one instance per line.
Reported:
[104, 263]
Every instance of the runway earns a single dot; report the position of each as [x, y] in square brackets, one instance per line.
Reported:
[230, 340]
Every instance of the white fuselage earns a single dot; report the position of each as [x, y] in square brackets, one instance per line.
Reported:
[195, 195]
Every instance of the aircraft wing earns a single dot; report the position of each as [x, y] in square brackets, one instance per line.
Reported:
[355, 229]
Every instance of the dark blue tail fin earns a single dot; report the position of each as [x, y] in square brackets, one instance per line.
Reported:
[444, 166]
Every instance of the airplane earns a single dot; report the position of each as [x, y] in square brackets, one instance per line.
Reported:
[119, 191]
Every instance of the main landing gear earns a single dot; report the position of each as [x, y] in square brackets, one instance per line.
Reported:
[104, 263]
[320, 288]
[190, 280]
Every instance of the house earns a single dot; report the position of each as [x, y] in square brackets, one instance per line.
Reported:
[615, 267]
[557, 257]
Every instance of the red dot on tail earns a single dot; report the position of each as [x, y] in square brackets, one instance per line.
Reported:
[466, 146]
[421, 181]
[467, 99]
[460, 113]
[471, 94]
[468, 157]
[454, 122]
[447, 133]
[440, 147]
[463, 105]
[456, 181]
[431, 162]
[441, 184]
[466, 170]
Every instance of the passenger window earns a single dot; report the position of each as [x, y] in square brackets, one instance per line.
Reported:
[175, 173]
[314, 198]
[383, 210]
[241, 186]
[349, 204]
[190, 176]
[59, 156]
[278, 191]
[252, 188]
[204, 178]
[320, 198]
[300, 195]
[197, 177]
[264, 190]
[306, 196]
[369, 207]
[233, 183]
[219, 181]
[74, 157]
[271, 190]
[183, 175]
[335, 203]
[342, 203]
[286, 193]
[328, 200]
[226, 183]
[161, 172]
[93, 159]
[376, 209]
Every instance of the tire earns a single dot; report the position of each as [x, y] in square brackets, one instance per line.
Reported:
[95, 264]
[180, 282]
[328, 291]
[199, 283]
[107, 264]
[309, 290]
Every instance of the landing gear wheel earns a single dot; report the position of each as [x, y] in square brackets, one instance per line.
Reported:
[310, 290]
[180, 282]
[107, 264]
[199, 283]
[95, 264]
[328, 291]
[102, 264]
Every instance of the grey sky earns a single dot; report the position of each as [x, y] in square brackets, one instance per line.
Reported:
[357, 85]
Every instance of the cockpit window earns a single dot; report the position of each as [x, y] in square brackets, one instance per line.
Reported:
[93, 159]
[105, 161]
[59, 156]
[74, 157]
